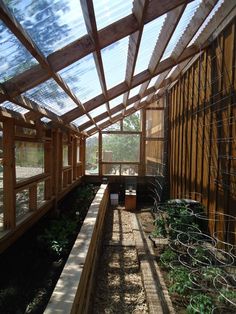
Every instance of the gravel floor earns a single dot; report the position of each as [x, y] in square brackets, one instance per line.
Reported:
[119, 286]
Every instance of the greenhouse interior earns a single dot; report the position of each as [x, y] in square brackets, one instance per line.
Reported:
[118, 156]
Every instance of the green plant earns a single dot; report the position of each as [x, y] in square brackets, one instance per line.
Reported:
[227, 294]
[200, 303]
[180, 282]
[55, 239]
[167, 256]
[160, 225]
[210, 272]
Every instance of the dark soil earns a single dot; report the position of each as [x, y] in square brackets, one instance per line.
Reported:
[28, 272]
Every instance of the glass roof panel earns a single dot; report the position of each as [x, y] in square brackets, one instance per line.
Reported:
[14, 107]
[51, 96]
[134, 91]
[103, 120]
[150, 36]
[207, 20]
[114, 61]
[95, 112]
[52, 24]
[81, 120]
[45, 120]
[82, 78]
[14, 57]
[184, 21]
[153, 81]
[89, 128]
[116, 101]
[129, 107]
[109, 11]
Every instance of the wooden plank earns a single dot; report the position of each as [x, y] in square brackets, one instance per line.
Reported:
[9, 176]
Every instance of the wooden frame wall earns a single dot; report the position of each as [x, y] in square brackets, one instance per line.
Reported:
[58, 180]
[202, 145]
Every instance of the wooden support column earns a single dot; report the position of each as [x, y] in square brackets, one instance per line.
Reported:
[100, 170]
[142, 167]
[74, 158]
[48, 168]
[82, 155]
[9, 176]
[33, 197]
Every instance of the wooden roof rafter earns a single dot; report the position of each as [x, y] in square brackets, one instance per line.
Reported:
[139, 10]
[90, 22]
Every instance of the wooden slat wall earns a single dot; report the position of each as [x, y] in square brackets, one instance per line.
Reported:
[203, 133]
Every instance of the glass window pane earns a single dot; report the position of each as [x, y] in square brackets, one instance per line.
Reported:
[52, 24]
[114, 61]
[132, 122]
[134, 91]
[51, 96]
[82, 78]
[111, 169]
[29, 159]
[40, 193]
[129, 170]
[14, 57]
[155, 123]
[78, 153]
[122, 147]
[110, 11]
[149, 38]
[113, 127]
[65, 156]
[22, 204]
[154, 158]
[1, 182]
[91, 167]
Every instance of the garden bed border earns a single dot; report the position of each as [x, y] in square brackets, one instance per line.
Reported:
[74, 287]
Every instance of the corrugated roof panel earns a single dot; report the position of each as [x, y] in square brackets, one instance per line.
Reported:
[82, 78]
[14, 107]
[103, 120]
[207, 20]
[51, 96]
[81, 120]
[51, 24]
[95, 112]
[114, 61]
[184, 21]
[150, 36]
[116, 101]
[110, 11]
[134, 91]
[14, 57]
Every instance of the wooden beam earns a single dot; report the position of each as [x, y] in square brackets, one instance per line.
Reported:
[9, 176]
[139, 10]
[83, 46]
[90, 22]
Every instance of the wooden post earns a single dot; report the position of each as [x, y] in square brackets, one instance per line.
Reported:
[33, 197]
[9, 174]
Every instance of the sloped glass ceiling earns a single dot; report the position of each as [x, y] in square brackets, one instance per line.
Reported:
[134, 91]
[149, 38]
[14, 58]
[82, 78]
[81, 120]
[153, 81]
[184, 21]
[114, 59]
[110, 11]
[95, 112]
[116, 101]
[52, 24]
[14, 107]
[51, 96]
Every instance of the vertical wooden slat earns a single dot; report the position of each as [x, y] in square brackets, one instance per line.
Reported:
[33, 197]
[9, 199]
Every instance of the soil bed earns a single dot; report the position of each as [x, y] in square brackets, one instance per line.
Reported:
[30, 268]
